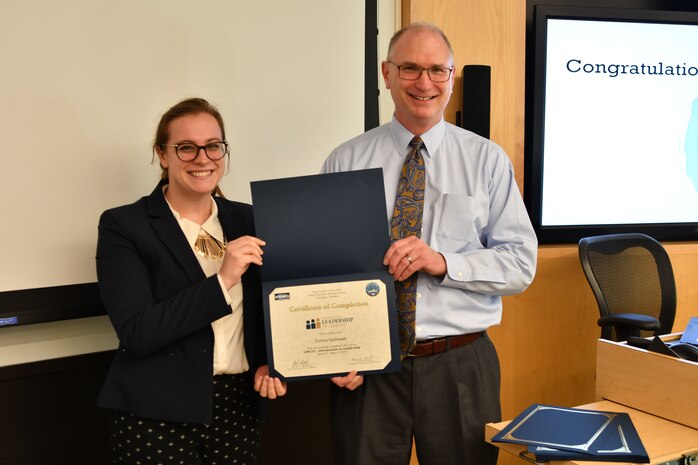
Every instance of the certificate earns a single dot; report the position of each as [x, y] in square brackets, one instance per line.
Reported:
[329, 328]
[329, 302]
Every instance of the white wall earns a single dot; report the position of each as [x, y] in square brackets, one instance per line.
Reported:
[83, 84]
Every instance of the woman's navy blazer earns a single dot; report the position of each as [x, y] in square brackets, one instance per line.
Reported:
[161, 305]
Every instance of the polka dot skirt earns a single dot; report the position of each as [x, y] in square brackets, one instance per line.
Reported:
[232, 438]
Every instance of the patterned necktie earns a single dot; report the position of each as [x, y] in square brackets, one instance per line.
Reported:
[407, 221]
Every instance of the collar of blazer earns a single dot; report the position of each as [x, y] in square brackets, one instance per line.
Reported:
[166, 227]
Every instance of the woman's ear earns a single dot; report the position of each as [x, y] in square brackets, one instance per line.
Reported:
[161, 156]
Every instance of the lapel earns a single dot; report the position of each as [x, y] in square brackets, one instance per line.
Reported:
[232, 225]
[166, 227]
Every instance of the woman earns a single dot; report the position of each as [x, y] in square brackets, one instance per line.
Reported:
[178, 272]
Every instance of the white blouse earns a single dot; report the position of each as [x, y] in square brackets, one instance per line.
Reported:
[229, 348]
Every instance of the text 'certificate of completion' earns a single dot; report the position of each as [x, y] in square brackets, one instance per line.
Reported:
[329, 302]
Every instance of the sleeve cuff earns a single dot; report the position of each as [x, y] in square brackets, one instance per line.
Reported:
[228, 300]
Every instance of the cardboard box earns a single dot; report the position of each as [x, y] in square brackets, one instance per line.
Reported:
[654, 383]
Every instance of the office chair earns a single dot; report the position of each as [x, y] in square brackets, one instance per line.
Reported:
[633, 282]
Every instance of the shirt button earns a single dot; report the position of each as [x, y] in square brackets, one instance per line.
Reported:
[419, 296]
[460, 274]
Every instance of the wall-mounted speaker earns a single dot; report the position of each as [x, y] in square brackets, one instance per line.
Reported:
[475, 114]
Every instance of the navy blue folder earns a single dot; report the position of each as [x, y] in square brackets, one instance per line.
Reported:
[322, 229]
[622, 445]
[560, 433]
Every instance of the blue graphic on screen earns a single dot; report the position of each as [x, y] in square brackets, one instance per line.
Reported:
[691, 145]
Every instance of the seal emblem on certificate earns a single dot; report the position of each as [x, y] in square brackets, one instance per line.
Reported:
[329, 302]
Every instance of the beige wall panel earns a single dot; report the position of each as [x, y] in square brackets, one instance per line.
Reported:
[490, 32]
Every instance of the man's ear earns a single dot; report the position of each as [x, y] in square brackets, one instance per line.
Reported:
[385, 71]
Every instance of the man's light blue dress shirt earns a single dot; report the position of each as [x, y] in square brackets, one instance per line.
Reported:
[473, 215]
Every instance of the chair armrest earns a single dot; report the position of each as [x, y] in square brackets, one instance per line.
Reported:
[630, 320]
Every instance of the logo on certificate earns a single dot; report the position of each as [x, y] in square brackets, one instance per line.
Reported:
[329, 322]
[372, 289]
[282, 296]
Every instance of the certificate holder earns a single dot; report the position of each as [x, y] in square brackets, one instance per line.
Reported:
[560, 433]
[329, 302]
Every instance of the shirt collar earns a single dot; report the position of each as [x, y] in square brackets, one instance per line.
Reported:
[191, 229]
[212, 225]
[432, 138]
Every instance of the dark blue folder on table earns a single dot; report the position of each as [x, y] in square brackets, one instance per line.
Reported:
[323, 229]
[560, 433]
[622, 445]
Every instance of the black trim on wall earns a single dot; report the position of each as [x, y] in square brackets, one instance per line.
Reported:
[371, 90]
[49, 413]
[49, 304]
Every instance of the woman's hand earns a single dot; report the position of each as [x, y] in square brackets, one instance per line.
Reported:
[266, 385]
[239, 254]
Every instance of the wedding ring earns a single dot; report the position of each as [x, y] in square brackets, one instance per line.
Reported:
[409, 259]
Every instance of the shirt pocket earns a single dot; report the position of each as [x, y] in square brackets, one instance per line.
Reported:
[460, 222]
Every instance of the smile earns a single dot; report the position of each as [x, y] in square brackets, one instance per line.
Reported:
[423, 99]
[200, 174]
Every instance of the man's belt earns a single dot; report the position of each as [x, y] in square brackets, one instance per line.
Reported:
[442, 344]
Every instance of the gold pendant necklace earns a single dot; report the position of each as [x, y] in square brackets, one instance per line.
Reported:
[209, 247]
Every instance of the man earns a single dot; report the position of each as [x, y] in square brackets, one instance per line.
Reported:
[461, 231]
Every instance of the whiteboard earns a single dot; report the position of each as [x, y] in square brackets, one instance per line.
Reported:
[84, 83]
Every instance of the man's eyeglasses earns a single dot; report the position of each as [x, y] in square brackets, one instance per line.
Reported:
[188, 151]
[414, 72]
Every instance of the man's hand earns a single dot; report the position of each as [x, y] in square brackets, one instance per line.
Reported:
[410, 255]
[351, 381]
